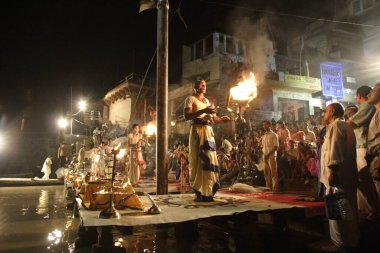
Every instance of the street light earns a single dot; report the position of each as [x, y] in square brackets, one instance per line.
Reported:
[82, 105]
[62, 123]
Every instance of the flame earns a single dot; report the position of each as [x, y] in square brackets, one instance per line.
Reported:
[245, 90]
[121, 154]
[151, 129]
[118, 146]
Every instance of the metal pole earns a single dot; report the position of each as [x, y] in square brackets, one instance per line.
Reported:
[162, 96]
[71, 112]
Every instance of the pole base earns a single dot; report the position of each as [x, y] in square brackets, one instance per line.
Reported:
[109, 213]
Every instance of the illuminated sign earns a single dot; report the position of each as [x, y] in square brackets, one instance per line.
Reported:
[302, 82]
[332, 80]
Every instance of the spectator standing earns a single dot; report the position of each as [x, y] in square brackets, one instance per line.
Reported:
[62, 155]
[270, 146]
[81, 156]
[309, 135]
[338, 172]
[226, 146]
[360, 122]
[373, 144]
[46, 168]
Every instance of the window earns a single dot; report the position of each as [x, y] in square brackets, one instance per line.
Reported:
[230, 45]
[192, 52]
[209, 45]
[221, 44]
[367, 4]
[199, 49]
[356, 6]
[241, 48]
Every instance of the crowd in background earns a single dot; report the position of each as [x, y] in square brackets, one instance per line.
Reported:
[298, 154]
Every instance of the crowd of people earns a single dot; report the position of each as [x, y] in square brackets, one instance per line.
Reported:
[339, 148]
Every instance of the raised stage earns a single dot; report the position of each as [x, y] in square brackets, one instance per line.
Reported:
[181, 208]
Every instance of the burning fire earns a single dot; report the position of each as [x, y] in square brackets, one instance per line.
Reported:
[121, 154]
[151, 129]
[118, 146]
[245, 90]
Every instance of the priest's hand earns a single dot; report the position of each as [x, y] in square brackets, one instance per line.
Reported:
[225, 118]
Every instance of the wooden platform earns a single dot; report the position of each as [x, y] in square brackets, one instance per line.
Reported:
[8, 182]
[182, 208]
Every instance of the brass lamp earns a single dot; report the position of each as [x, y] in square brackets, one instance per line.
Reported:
[111, 211]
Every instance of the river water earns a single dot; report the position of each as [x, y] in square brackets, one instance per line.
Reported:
[35, 219]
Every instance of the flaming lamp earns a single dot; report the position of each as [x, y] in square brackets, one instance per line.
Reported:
[244, 91]
[111, 212]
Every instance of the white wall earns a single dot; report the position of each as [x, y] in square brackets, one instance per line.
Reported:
[120, 112]
[306, 96]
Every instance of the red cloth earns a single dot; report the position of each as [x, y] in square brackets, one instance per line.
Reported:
[312, 208]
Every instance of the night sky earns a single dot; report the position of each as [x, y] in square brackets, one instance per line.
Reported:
[50, 47]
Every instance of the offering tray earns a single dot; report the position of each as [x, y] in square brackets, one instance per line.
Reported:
[98, 182]
[110, 193]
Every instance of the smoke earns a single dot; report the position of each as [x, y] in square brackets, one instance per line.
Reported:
[259, 46]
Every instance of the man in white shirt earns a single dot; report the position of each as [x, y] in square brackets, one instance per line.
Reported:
[226, 146]
[360, 122]
[373, 142]
[339, 173]
[309, 135]
[270, 145]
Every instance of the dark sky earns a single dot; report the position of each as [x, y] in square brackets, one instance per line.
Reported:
[48, 47]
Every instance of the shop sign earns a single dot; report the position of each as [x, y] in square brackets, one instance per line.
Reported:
[302, 82]
[332, 80]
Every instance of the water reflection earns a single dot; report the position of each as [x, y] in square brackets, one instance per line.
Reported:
[43, 203]
[24, 210]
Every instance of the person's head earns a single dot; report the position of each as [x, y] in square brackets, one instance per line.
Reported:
[374, 95]
[267, 125]
[362, 93]
[280, 125]
[199, 86]
[333, 111]
[304, 126]
[291, 144]
[350, 111]
[135, 128]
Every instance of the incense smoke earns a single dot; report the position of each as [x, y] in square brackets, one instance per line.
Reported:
[259, 47]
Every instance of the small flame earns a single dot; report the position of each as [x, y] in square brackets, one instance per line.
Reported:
[245, 90]
[122, 153]
[151, 129]
[118, 146]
